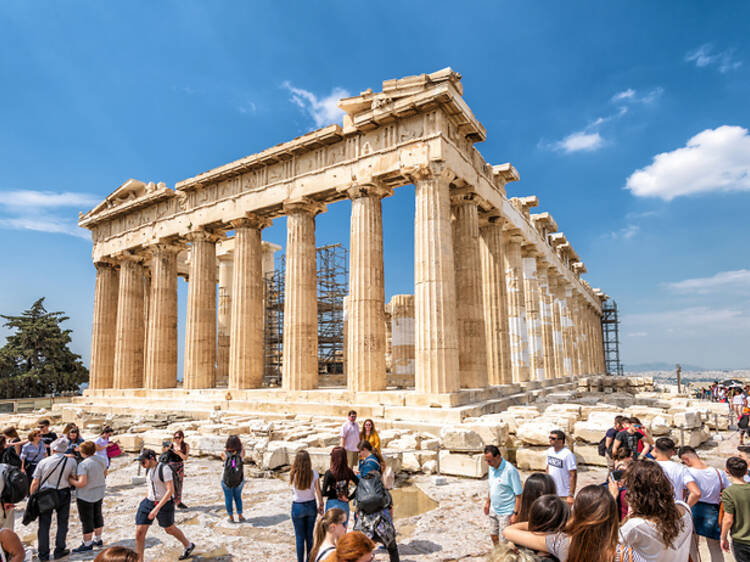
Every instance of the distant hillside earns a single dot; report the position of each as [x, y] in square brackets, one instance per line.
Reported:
[642, 367]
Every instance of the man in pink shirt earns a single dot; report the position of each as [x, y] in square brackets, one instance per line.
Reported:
[350, 437]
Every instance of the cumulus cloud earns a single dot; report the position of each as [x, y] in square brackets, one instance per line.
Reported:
[323, 111]
[580, 141]
[724, 281]
[54, 225]
[46, 199]
[705, 56]
[44, 211]
[713, 160]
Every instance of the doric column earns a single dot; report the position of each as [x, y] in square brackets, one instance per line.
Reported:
[161, 333]
[557, 333]
[388, 339]
[546, 319]
[472, 346]
[495, 301]
[200, 328]
[577, 334]
[300, 369]
[436, 343]
[533, 320]
[366, 316]
[245, 368]
[130, 329]
[402, 333]
[224, 322]
[103, 327]
[517, 331]
[146, 307]
[566, 324]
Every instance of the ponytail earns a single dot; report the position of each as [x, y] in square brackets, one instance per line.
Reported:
[330, 517]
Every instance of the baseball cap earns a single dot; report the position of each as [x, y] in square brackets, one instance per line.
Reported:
[146, 454]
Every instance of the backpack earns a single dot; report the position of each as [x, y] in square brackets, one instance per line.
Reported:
[234, 472]
[371, 494]
[602, 447]
[175, 477]
[744, 421]
[10, 457]
[15, 484]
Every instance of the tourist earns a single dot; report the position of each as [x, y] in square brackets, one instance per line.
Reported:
[537, 484]
[504, 497]
[32, 453]
[117, 554]
[677, 473]
[711, 483]
[609, 439]
[743, 451]
[182, 450]
[736, 501]
[738, 402]
[352, 547]
[233, 477]
[350, 437]
[305, 489]
[743, 424]
[103, 441]
[657, 527]
[623, 459]
[375, 512]
[54, 473]
[369, 433]
[368, 459]
[561, 466]
[590, 533]
[328, 530]
[91, 484]
[47, 436]
[157, 504]
[11, 547]
[631, 435]
[548, 514]
[73, 435]
[336, 482]
[11, 437]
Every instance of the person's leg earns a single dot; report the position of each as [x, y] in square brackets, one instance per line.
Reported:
[140, 540]
[741, 551]
[42, 534]
[228, 496]
[176, 533]
[98, 520]
[299, 530]
[237, 494]
[393, 552]
[494, 528]
[63, 515]
[714, 550]
[86, 518]
[309, 523]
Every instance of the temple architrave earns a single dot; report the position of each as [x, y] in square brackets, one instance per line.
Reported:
[499, 308]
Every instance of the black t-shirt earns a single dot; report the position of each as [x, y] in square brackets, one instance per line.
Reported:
[48, 438]
[333, 488]
[630, 440]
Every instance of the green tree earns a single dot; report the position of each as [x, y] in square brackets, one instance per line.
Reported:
[36, 359]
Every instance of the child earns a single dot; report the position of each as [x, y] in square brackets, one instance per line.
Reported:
[743, 424]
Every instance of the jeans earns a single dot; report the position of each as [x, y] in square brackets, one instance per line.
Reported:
[341, 505]
[741, 551]
[303, 518]
[233, 494]
[45, 521]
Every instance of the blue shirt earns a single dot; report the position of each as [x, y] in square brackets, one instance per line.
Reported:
[369, 464]
[505, 485]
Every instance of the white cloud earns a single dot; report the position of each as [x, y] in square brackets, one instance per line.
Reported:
[625, 233]
[691, 317]
[713, 160]
[323, 111]
[652, 95]
[624, 95]
[46, 199]
[247, 107]
[580, 141]
[631, 96]
[724, 281]
[55, 225]
[704, 56]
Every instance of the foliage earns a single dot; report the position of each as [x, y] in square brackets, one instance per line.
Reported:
[36, 359]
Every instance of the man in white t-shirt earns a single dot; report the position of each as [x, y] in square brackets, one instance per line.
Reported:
[350, 438]
[677, 473]
[561, 466]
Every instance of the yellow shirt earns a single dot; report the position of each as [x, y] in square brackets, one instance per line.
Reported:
[374, 441]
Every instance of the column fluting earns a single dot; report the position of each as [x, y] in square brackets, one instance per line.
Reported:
[533, 320]
[130, 329]
[518, 334]
[161, 338]
[103, 327]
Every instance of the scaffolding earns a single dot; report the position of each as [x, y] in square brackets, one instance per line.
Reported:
[611, 338]
[333, 286]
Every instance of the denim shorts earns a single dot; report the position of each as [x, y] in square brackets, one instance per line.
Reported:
[165, 517]
[706, 519]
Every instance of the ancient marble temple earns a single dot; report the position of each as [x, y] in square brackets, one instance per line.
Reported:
[498, 296]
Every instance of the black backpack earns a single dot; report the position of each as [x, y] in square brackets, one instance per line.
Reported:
[234, 472]
[371, 495]
[175, 477]
[744, 421]
[15, 484]
[602, 447]
[10, 457]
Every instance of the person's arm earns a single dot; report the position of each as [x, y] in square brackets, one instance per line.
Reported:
[12, 546]
[573, 481]
[694, 493]
[608, 442]
[34, 486]
[519, 535]
[319, 495]
[223, 456]
[647, 436]
[726, 525]
[516, 509]
[100, 447]
[79, 481]
[487, 505]
[165, 498]
[182, 455]
[615, 446]
[343, 434]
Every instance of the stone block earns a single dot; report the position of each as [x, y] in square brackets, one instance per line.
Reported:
[659, 426]
[407, 442]
[430, 467]
[536, 432]
[461, 439]
[692, 437]
[687, 419]
[129, 442]
[388, 435]
[460, 464]
[563, 408]
[429, 444]
[410, 462]
[601, 416]
[589, 455]
[531, 458]
[590, 431]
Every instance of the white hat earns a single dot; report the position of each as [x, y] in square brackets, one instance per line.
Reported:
[59, 445]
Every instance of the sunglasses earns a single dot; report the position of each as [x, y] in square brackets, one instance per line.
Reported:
[554, 438]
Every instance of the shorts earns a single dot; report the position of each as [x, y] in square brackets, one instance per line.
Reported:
[90, 514]
[706, 520]
[352, 458]
[165, 517]
[498, 523]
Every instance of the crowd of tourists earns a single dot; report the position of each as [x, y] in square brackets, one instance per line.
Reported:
[657, 504]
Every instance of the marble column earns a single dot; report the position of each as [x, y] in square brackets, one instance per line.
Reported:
[436, 343]
[200, 328]
[366, 316]
[245, 368]
[388, 339]
[224, 322]
[129, 329]
[517, 331]
[533, 319]
[557, 333]
[495, 301]
[546, 319]
[161, 334]
[300, 368]
[566, 323]
[103, 327]
[402, 333]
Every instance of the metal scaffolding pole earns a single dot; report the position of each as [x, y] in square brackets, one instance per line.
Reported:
[611, 338]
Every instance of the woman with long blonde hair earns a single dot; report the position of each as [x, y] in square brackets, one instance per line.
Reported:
[328, 530]
[305, 489]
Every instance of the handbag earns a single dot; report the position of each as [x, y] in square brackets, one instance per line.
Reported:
[47, 499]
[113, 450]
[721, 501]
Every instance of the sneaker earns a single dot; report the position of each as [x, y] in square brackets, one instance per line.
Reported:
[188, 551]
[182, 506]
[84, 548]
[100, 542]
[61, 554]
[241, 519]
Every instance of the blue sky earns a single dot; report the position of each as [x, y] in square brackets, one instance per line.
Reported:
[627, 119]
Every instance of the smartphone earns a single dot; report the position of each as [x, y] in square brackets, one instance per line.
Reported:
[166, 443]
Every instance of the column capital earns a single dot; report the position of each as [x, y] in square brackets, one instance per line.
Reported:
[304, 205]
[105, 263]
[201, 233]
[166, 247]
[493, 217]
[251, 220]
[370, 188]
[436, 170]
[529, 250]
[130, 256]
[465, 195]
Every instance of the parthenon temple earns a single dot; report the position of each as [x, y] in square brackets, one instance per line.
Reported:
[498, 308]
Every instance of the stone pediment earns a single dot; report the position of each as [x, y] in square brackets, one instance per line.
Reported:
[130, 195]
